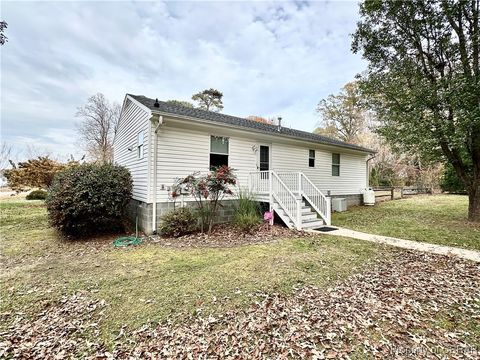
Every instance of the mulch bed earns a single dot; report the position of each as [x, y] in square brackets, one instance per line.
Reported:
[226, 235]
[385, 312]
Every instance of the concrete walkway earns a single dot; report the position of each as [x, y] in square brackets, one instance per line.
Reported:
[406, 244]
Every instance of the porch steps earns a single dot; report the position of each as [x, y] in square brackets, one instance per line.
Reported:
[293, 197]
[309, 217]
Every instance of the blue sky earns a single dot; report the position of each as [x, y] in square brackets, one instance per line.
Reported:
[268, 58]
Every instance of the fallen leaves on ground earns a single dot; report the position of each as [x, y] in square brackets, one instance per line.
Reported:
[60, 331]
[226, 235]
[388, 311]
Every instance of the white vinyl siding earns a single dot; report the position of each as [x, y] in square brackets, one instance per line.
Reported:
[353, 175]
[134, 121]
[183, 151]
[185, 147]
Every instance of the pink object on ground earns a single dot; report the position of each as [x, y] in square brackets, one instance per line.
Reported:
[268, 216]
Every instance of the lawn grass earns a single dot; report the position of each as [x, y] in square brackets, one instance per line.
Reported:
[438, 219]
[154, 283]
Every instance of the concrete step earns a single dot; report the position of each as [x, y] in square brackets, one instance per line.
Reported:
[312, 225]
[311, 220]
[305, 216]
[309, 216]
[305, 209]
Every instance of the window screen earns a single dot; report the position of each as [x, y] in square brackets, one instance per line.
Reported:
[218, 151]
[140, 145]
[335, 164]
[311, 158]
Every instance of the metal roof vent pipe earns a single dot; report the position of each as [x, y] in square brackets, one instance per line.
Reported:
[156, 104]
[279, 123]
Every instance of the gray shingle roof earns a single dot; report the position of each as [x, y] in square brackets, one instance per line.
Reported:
[256, 126]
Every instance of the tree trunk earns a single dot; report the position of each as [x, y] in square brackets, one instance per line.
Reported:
[474, 204]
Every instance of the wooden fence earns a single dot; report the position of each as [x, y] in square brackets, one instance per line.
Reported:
[392, 193]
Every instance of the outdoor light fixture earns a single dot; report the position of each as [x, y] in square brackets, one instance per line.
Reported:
[254, 148]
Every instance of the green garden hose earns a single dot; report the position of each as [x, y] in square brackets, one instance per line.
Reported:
[128, 240]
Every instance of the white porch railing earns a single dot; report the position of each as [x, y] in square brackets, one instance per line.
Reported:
[290, 203]
[291, 179]
[258, 182]
[316, 199]
[289, 188]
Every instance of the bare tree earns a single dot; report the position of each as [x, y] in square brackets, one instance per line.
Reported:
[32, 151]
[3, 38]
[5, 154]
[98, 127]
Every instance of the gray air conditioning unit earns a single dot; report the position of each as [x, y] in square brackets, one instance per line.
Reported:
[339, 204]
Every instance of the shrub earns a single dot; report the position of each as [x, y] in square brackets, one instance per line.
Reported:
[89, 198]
[248, 213]
[208, 191]
[37, 195]
[247, 223]
[451, 182]
[178, 222]
[37, 172]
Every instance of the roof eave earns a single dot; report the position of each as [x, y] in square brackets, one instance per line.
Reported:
[210, 122]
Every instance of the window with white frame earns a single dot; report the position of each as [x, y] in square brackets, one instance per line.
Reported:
[140, 147]
[311, 158]
[219, 148]
[335, 164]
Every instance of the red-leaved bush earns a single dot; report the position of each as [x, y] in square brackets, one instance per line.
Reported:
[207, 190]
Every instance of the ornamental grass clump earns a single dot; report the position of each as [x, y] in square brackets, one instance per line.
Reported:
[247, 213]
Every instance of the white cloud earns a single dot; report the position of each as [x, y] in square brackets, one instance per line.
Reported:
[267, 58]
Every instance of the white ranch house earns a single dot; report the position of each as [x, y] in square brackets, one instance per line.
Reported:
[295, 172]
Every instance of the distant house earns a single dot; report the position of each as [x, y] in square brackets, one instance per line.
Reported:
[294, 171]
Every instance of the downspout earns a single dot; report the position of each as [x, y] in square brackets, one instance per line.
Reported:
[154, 190]
[372, 156]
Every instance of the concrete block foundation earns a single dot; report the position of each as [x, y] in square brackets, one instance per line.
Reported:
[144, 212]
[225, 212]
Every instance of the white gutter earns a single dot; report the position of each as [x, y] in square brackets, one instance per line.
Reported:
[155, 156]
[372, 156]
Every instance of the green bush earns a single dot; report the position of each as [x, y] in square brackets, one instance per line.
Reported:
[37, 195]
[451, 182]
[247, 223]
[178, 222]
[247, 214]
[89, 198]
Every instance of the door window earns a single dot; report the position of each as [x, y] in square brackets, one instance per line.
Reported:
[264, 158]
